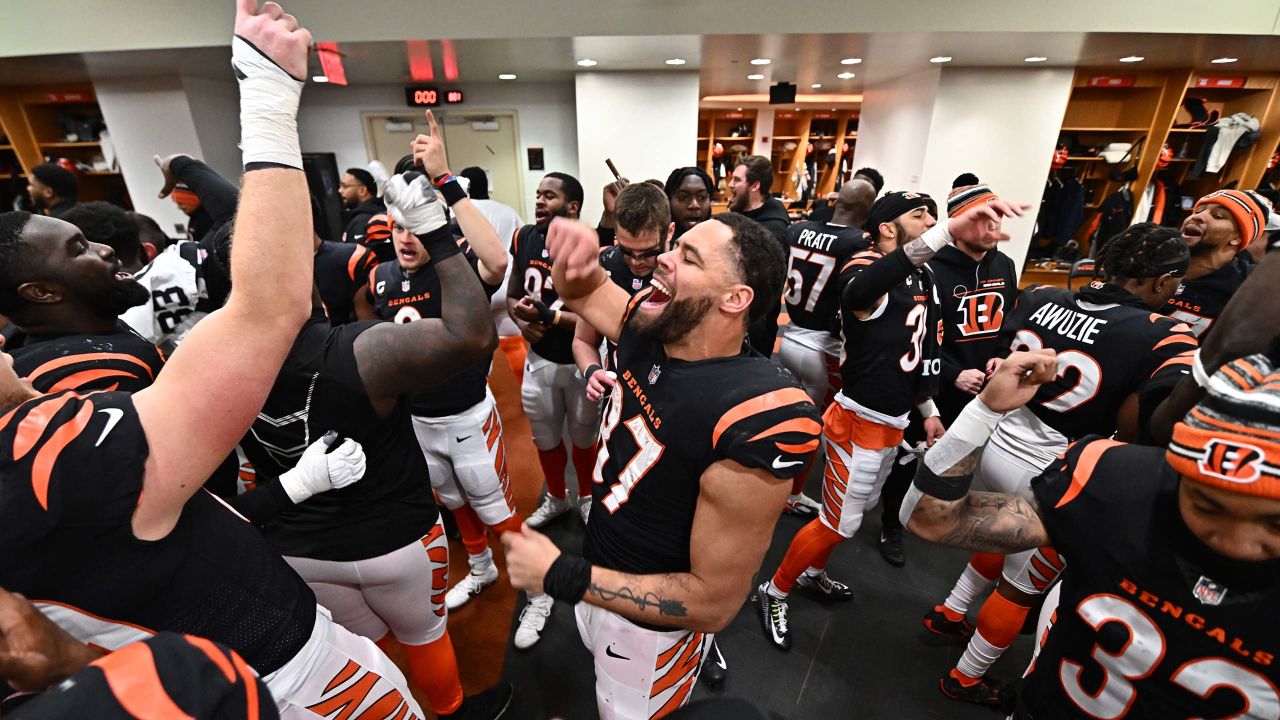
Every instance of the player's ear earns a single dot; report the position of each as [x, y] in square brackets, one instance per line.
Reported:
[40, 293]
[737, 299]
[149, 251]
[574, 207]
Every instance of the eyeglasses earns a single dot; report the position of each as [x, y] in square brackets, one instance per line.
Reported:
[645, 255]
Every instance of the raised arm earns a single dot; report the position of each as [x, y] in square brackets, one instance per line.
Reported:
[939, 506]
[580, 281]
[217, 380]
[395, 358]
[217, 195]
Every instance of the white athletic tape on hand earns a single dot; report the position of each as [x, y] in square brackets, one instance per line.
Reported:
[938, 236]
[1198, 373]
[269, 99]
[971, 430]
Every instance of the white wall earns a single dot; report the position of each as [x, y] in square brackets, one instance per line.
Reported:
[647, 123]
[329, 121]
[1000, 124]
[893, 131]
[215, 109]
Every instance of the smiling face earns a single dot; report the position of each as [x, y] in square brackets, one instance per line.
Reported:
[691, 203]
[1210, 228]
[1233, 525]
[740, 199]
[76, 271]
[695, 276]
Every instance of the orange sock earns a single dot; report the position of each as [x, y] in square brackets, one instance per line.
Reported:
[385, 643]
[1000, 620]
[813, 544]
[584, 466]
[513, 348]
[471, 530]
[434, 669]
[988, 565]
[553, 464]
[511, 524]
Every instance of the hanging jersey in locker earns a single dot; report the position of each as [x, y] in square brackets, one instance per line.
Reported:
[818, 251]
[1151, 623]
[120, 360]
[71, 475]
[533, 268]
[401, 297]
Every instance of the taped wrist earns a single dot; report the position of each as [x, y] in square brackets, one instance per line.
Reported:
[439, 244]
[452, 191]
[928, 408]
[546, 315]
[269, 99]
[567, 579]
[938, 236]
[970, 431]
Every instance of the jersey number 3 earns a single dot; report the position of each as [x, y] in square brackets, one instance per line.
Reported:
[648, 452]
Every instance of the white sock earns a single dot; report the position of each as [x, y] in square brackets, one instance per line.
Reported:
[480, 562]
[773, 591]
[970, 585]
[978, 656]
[813, 571]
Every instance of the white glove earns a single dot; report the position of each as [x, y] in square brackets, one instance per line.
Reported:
[414, 205]
[319, 471]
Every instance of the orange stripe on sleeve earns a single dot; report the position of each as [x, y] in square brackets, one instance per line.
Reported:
[250, 678]
[354, 261]
[79, 380]
[798, 449]
[1085, 466]
[85, 358]
[800, 425]
[758, 404]
[47, 455]
[131, 674]
[634, 302]
[32, 426]
[1180, 359]
[215, 656]
[1174, 339]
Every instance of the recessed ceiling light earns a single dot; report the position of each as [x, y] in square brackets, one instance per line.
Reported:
[320, 79]
[1132, 58]
[587, 62]
[1223, 60]
[833, 109]
[845, 75]
[1035, 58]
[506, 76]
[739, 109]
[850, 61]
[676, 61]
[761, 61]
[815, 86]
[755, 76]
[940, 59]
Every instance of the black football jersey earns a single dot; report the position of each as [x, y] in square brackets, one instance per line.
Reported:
[71, 474]
[666, 423]
[340, 270]
[1109, 347]
[615, 264]
[122, 360]
[193, 676]
[1199, 302]
[1151, 623]
[401, 297]
[319, 389]
[533, 265]
[818, 251]
[888, 355]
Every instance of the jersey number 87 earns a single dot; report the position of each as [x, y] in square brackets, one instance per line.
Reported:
[648, 452]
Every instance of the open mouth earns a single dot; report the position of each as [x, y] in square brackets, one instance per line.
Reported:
[660, 296]
[407, 255]
[541, 215]
[1193, 232]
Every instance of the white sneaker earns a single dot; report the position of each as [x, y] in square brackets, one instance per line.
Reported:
[584, 509]
[470, 586]
[550, 509]
[532, 619]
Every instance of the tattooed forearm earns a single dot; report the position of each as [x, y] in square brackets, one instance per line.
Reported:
[995, 522]
[665, 606]
[918, 252]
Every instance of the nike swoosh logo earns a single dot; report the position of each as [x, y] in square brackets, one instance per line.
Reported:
[464, 437]
[779, 465]
[719, 656]
[609, 651]
[357, 237]
[113, 417]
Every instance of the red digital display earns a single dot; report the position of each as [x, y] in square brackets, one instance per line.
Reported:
[453, 97]
[422, 96]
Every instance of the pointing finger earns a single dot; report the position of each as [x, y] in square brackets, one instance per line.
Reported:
[431, 120]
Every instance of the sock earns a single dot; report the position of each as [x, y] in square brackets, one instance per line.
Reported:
[811, 546]
[511, 524]
[772, 591]
[553, 463]
[434, 669]
[513, 348]
[385, 643]
[584, 466]
[471, 530]
[998, 624]
[971, 583]
[481, 561]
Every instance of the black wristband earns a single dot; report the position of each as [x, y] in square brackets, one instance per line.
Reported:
[439, 244]
[546, 315]
[567, 579]
[591, 370]
[943, 488]
[452, 192]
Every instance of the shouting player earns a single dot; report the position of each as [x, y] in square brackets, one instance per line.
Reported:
[1165, 607]
[1112, 350]
[1219, 228]
[103, 521]
[700, 442]
[689, 191]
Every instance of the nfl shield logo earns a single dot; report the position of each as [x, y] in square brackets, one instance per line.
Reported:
[636, 283]
[654, 373]
[404, 286]
[1209, 592]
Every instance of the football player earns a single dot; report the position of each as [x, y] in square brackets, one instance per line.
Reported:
[1221, 226]
[891, 358]
[700, 442]
[1165, 606]
[103, 518]
[1112, 350]
[553, 390]
[689, 191]
[208, 200]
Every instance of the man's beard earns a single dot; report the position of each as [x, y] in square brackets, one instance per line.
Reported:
[740, 203]
[126, 294]
[675, 321]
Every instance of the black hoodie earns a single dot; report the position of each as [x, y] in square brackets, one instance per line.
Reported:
[976, 296]
[772, 216]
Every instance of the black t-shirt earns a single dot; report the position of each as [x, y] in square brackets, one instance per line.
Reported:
[122, 360]
[401, 297]
[318, 390]
[1199, 302]
[71, 474]
[816, 254]
[1151, 623]
[340, 270]
[669, 420]
[533, 267]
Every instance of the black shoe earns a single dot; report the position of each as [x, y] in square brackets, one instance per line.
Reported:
[983, 692]
[891, 547]
[773, 618]
[486, 705]
[936, 622]
[824, 587]
[714, 669]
